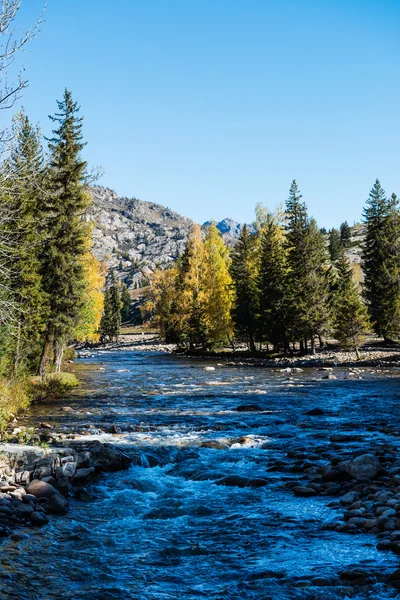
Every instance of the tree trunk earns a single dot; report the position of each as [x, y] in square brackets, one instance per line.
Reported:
[321, 341]
[312, 344]
[358, 354]
[17, 357]
[58, 353]
[45, 357]
[301, 347]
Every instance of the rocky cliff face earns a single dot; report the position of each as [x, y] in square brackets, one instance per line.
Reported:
[135, 235]
[139, 236]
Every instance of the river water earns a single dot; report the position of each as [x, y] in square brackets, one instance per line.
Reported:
[165, 529]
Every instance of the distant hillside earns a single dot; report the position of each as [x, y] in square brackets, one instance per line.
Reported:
[140, 236]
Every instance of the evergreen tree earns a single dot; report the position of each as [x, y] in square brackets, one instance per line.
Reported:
[308, 284]
[126, 303]
[350, 313]
[381, 257]
[345, 234]
[25, 170]
[110, 324]
[273, 287]
[335, 244]
[218, 293]
[244, 275]
[67, 231]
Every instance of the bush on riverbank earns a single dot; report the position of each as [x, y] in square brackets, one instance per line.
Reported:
[14, 397]
[54, 386]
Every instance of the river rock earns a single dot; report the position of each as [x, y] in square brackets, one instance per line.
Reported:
[303, 491]
[242, 482]
[249, 408]
[38, 519]
[315, 412]
[349, 498]
[366, 466]
[41, 489]
[57, 505]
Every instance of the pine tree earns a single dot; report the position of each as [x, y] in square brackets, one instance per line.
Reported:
[67, 231]
[126, 303]
[218, 293]
[307, 262]
[335, 244]
[381, 257]
[345, 234]
[273, 286]
[25, 174]
[244, 275]
[350, 314]
[110, 324]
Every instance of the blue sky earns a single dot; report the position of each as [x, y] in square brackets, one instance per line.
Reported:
[211, 106]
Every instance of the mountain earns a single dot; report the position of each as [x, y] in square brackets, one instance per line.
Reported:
[138, 236]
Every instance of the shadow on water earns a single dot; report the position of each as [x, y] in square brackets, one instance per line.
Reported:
[168, 528]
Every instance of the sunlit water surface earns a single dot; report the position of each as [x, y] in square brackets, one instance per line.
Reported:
[168, 531]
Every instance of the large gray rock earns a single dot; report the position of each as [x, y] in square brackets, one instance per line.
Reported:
[366, 466]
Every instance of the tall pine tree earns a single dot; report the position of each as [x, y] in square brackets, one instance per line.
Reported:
[244, 275]
[67, 231]
[25, 170]
[307, 262]
[110, 324]
[381, 256]
[273, 286]
[350, 314]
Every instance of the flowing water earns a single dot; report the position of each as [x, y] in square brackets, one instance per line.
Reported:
[164, 529]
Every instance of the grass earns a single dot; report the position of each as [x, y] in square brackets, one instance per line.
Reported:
[14, 398]
[17, 394]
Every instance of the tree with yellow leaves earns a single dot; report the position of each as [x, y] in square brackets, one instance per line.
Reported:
[93, 301]
[218, 289]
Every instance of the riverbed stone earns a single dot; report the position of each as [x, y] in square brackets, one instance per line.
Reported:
[57, 505]
[38, 519]
[303, 491]
[365, 466]
[349, 498]
[41, 489]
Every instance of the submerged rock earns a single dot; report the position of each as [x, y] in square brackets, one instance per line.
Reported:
[242, 482]
[249, 408]
[366, 466]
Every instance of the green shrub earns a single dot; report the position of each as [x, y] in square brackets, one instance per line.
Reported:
[56, 385]
[13, 398]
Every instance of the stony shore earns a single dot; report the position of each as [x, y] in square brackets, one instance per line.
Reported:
[371, 355]
[37, 482]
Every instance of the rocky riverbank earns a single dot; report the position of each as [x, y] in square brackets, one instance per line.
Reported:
[371, 355]
[37, 482]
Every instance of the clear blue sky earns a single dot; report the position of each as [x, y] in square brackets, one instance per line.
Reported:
[212, 106]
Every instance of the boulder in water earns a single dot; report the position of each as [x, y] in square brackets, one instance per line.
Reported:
[41, 489]
[242, 482]
[303, 491]
[366, 466]
[315, 412]
[249, 408]
[38, 519]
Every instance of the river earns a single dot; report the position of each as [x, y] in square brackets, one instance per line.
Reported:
[165, 529]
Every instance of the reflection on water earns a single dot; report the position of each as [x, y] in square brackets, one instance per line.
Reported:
[165, 529]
